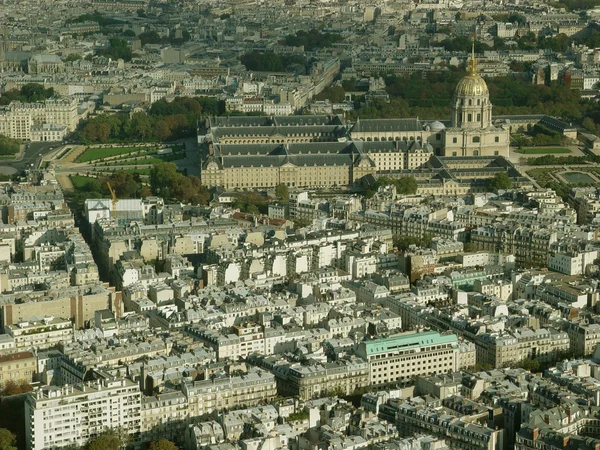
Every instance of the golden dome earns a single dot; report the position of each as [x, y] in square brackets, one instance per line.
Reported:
[472, 86]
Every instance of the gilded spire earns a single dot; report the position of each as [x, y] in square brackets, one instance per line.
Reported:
[473, 69]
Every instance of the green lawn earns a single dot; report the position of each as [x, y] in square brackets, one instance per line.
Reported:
[80, 182]
[93, 153]
[542, 150]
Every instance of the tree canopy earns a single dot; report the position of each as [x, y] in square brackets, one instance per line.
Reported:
[500, 181]
[404, 185]
[282, 192]
[167, 182]
[110, 439]
[165, 121]
[95, 17]
[118, 48]
[270, 61]
[8, 146]
[30, 92]
[312, 39]
[163, 444]
[429, 95]
[8, 441]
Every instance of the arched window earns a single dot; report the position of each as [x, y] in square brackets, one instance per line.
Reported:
[476, 153]
[475, 139]
[469, 117]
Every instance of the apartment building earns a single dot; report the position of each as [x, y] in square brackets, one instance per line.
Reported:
[341, 377]
[207, 396]
[23, 120]
[246, 340]
[17, 367]
[40, 334]
[505, 348]
[70, 415]
[584, 337]
[461, 434]
[402, 357]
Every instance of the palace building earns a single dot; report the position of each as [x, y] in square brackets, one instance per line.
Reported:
[317, 150]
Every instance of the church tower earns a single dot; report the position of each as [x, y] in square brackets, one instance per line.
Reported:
[472, 131]
[471, 107]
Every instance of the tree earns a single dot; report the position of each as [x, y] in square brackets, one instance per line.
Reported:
[162, 176]
[142, 125]
[8, 441]
[123, 183]
[500, 181]
[163, 444]
[109, 439]
[118, 49]
[406, 185]
[13, 388]
[588, 124]
[529, 364]
[72, 57]
[282, 192]
[8, 146]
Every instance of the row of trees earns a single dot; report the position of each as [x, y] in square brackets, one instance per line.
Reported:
[109, 439]
[95, 17]
[429, 95]
[165, 181]
[312, 39]
[165, 121]
[273, 62]
[548, 160]
[30, 92]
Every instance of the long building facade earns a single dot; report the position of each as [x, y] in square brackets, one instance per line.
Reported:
[316, 151]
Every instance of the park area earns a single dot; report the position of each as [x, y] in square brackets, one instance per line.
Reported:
[93, 154]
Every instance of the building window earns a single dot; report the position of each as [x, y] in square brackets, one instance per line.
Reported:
[496, 139]
[476, 153]
[478, 117]
[438, 136]
[453, 153]
[454, 140]
[496, 153]
[475, 139]
[469, 117]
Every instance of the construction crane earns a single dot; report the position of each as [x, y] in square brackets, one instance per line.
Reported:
[115, 200]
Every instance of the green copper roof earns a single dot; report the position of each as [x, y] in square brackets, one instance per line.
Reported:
[408, 341]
